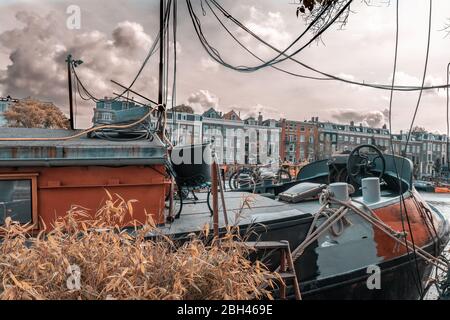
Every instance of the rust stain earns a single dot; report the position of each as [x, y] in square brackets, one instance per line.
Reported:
[392, 216]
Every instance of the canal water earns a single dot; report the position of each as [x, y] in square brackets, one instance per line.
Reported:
[442, 202]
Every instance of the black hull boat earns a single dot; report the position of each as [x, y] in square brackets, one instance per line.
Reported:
[354, 258]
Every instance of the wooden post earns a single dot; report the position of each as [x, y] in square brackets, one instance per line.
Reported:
[222, 196]
[215, 198]
[171, 204]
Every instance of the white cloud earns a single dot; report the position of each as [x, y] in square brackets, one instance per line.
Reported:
[373, 118]
[268, 25]
[268, 112]
[202, 100]
[207, 64]
[405, 79]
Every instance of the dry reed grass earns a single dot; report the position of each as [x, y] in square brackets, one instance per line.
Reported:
[117, 265]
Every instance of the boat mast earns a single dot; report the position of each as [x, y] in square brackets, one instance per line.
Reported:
[161, 69]
[69, 78]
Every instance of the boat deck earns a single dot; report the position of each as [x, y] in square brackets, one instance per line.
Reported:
[194, 217]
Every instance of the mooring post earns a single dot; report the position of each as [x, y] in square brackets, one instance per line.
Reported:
[222, 196]
[215, 198]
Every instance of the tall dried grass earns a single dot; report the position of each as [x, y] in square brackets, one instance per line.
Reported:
[115, 264]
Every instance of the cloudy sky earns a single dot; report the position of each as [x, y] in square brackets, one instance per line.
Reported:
[115, 36]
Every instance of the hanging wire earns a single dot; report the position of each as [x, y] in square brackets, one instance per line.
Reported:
[415, 272]
[327, 75]
[448, 125]
[153, 49]
[174, 85]
[256, 56]
[216, 55]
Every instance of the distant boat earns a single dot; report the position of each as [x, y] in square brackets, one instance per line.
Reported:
[442, 188]
[426, 186]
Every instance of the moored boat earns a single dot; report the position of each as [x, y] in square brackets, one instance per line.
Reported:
[442, 188]
[339, 262]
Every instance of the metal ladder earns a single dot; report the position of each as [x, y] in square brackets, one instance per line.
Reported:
[286, 270]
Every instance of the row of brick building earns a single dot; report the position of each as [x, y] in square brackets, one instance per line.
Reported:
[315, 140]
[287, 140]
[306, 141]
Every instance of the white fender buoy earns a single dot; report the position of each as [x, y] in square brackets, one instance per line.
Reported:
[371, 190]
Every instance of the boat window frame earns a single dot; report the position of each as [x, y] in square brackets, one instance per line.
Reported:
[34, 192]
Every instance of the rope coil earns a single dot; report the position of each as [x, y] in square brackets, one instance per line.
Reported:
[335, 215]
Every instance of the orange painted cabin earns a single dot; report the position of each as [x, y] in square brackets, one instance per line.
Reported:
[41, 180]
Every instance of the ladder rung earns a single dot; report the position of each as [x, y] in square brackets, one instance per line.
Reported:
[283, 276]
[261, 245]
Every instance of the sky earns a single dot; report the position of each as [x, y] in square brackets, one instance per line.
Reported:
[115, 36]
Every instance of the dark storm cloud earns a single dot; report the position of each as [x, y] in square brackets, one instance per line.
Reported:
[37, 53]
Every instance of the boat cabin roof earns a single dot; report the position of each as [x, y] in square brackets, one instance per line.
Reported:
[82, 151]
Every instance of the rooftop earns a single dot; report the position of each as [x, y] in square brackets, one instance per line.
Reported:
[79, 151]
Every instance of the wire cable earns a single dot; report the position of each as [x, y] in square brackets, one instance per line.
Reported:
[448, 125]
[153, 49]
[93, 129]
[402, 204]
[256, 56]
[216, 55]
[364, 84]
[174, 85]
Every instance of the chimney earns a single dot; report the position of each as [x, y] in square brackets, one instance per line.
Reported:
[317, 119]
[312, 119]
[352, 123]
[260, 119]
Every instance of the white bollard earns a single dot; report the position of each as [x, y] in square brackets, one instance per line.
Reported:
[371, 190]
[339, 191]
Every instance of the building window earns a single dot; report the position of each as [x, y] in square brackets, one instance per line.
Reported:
[18, 198]
[106, 116]
[3, 107]
[302, 138]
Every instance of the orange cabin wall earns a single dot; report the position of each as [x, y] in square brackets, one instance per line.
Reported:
[386, 246]
[58, 188]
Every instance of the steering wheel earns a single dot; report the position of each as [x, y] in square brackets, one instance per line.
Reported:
[362, 163]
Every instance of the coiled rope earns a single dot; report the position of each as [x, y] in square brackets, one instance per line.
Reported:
[335, 211]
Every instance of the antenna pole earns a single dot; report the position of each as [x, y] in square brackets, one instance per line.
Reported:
[161, 51]
[69, 78]
[161, 107]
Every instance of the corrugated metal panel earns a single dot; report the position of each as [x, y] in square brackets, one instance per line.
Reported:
[83, 151]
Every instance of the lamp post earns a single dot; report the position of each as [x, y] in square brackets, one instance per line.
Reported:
[448, 124]
[71, 63]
